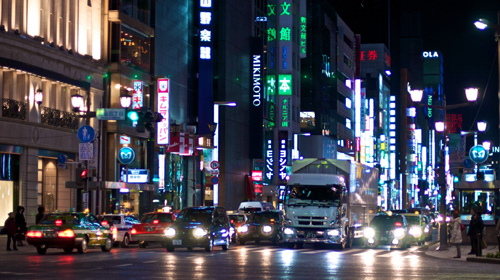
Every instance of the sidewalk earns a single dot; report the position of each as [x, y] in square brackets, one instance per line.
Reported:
[465, 249]
[3, 247]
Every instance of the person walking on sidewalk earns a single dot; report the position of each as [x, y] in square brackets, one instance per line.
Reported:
[475, 231]
[21, 225]
[10, 225]
[456, 233]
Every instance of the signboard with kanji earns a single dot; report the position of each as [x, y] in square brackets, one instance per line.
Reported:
[137, 95]
[163, 127]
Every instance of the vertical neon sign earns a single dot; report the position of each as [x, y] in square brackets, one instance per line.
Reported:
[163, 106]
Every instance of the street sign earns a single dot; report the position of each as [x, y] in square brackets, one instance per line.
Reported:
[62, 166]
[86, 151]
[62, 158]
[86, 133]
[126, 155]
[478, 154]
[214, 180]
[214, 164]
[106, 114]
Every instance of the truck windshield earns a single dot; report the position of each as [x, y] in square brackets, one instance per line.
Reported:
[308, 194]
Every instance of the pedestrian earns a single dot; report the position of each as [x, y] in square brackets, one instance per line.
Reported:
[475, 231]
[21, 225]
[456, 233]
[40, 215]
[10, 225]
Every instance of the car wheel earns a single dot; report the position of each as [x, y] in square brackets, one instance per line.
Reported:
[108, 245]
[68, 249]
[226, 246]
[143, 244]
[209, 248]
[41, 250]
[170, 248]
[125, 242]
[242, 242]
[83, 246]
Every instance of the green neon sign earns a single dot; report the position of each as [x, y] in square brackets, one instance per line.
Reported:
[285, 7]
[271, 34]
[285, 34]
[285, 84]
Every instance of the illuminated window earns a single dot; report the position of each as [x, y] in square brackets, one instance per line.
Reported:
[392, 105]
[348, 103]
[393, 98]
[393, 112]
[392, 133]
[392, 126]
[134, 50]
[392, 119]
[307, 119]
[348, 123]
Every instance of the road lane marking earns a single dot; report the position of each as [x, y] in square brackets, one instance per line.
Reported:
[125, 264]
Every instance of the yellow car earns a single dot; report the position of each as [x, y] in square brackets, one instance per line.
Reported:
[418, 228]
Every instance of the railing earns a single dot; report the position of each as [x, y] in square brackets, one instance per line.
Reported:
[59, 118]
[14, 109]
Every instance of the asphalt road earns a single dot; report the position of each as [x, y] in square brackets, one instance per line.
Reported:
[240, 262]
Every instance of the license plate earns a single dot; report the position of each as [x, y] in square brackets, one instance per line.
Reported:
[310, 235]
[383, 238]
[49, 234]
[149, 229]
[176, 242]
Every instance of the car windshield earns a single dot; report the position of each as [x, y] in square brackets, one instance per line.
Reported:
[195, 215]
[386, 222]
[162, 218]
[111, 219]
[413, 220]
[264, 217]
[50, 219]
[237, 218]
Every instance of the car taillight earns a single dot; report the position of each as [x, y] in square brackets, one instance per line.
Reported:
[133, 231]
[68, 233]
[398, 224]
[104, 223]
[59, 223]
[34, 234]
[155, 222]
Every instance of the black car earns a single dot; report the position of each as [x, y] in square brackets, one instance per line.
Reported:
[204, 227]
[262, 225]
[388, 229]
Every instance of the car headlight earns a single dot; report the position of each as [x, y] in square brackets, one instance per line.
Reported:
[199, 232]
[369, 232]
[416, 231]
[170, 232]
[267, 229]
[333, 232]
[399, 233]
[243, 229]
[426, 230]
[288, 231]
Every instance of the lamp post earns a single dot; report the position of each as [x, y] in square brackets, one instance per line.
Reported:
[295, 150]
[416, 97]
[39, 96]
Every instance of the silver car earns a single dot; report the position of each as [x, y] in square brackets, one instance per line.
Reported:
[123, 225]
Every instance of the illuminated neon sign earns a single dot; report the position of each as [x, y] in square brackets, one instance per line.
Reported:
[257, 84]
[205, 29]
[137, 95]
[285, 84]
[269, 160]
[163, 107]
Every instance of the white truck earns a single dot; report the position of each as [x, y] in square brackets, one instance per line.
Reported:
[328, 201]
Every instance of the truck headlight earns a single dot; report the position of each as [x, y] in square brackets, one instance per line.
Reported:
[170, 232]
[243, 229]
[416, 231]
[199, 232]
[267, 229]
[288, 231]
[333, 232]
[399, 233]
[369, 232]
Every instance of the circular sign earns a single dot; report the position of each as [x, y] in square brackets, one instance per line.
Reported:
[126, 155]
[214, 180]
[62, 158]
[478, 154]
[214, 164]
[468, 163]
[86, 133]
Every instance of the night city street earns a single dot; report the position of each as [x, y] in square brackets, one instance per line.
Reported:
[240, 262]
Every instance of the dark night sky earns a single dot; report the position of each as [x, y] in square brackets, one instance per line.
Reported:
[469, 54]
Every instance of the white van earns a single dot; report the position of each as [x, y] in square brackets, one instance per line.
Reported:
[253, 206]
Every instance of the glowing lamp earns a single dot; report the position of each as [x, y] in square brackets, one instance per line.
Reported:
[471, 94]
[481, 126]
[439, 126]
[416, 95]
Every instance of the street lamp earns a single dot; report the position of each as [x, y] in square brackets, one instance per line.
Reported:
[487, 145]
[416, 96]
[125, 99]
[39, 96]
[295, 150]
[76, 102]
[481, 126]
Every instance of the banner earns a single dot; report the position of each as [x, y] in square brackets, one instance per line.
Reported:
[457, 149]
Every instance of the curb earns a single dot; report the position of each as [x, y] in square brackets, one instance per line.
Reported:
[483, 260]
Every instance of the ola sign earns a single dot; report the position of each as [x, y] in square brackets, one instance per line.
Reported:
[478, 154]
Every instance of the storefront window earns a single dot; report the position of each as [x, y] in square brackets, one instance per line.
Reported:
[47, 184]
[135, 50]
[481, 200]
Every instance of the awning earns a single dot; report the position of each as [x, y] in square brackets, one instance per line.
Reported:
[112, 186]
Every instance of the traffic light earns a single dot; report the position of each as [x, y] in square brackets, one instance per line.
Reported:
[133, 116]
[146, 119]
[81, 175]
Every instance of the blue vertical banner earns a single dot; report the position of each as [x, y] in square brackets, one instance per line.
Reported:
[205, 66]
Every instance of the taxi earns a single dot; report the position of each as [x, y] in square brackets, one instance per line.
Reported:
[261, 226]
[419, 229]
[388, 229]
[121, 227]
[204, 227]
[68, 231]
[236, 220]
[151, 228]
